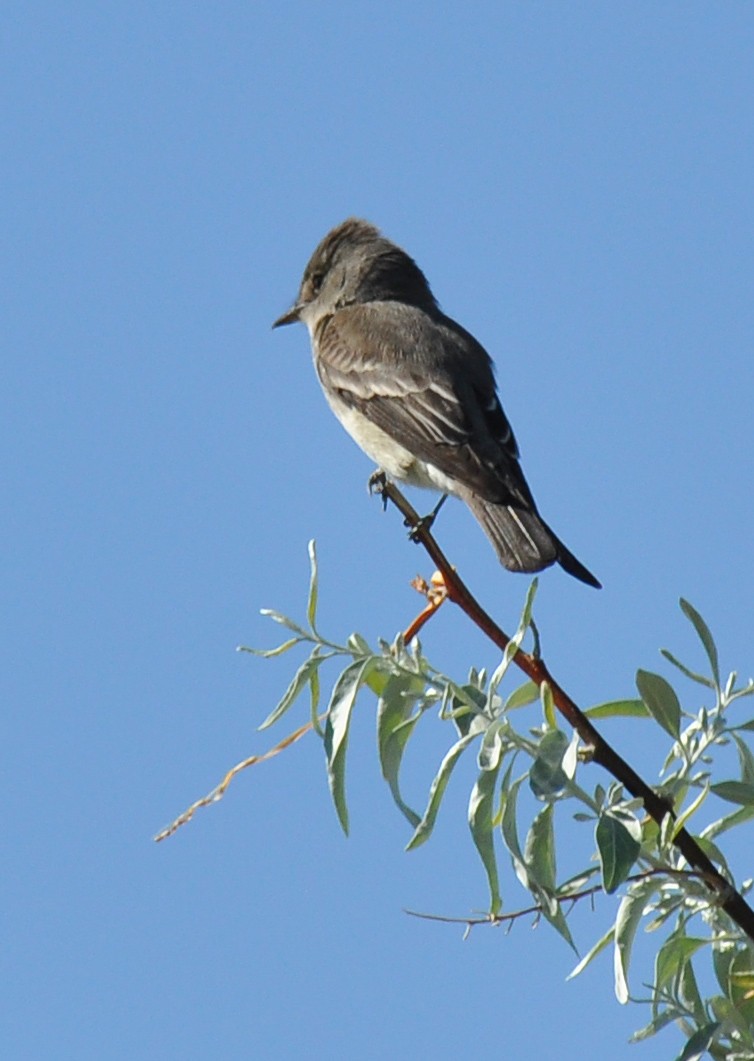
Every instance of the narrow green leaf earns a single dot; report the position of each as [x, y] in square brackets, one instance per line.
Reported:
[722, 957]
[548, 705]
[314, 693]
[659, 696]
[525, 694]
[553, 912]
[630, 913]
[437, 791]
[510, 831]
[394, 727]
[539, 850]
[688, 992]
[726, 1012]
[619, 709]
[700, 1042]
[481, 812]
[379, 675]
[745, 759]
[547, 778]
[704, 636]
[491, 750]
[525, 620]
[714, 854]
[674, 953]
[515, 642]
[298, 683]
[311, 606]
[283, 620]
[268, 653]
[618, 844]
[680, 822]
[358, 645]
[336, 731]
[735, 792]
[598, 948]
[654, 1026]
[700, 678]
[730, 821]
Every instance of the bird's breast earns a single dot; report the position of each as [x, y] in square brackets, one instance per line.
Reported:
[388, 454]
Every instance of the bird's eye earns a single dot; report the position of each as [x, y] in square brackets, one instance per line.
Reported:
[315, 282]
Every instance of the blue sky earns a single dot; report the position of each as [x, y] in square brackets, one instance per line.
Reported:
[575, 180]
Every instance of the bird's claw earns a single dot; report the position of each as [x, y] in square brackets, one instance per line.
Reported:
[422, 525]
[376, 485]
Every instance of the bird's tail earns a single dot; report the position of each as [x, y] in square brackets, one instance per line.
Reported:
[523, 541]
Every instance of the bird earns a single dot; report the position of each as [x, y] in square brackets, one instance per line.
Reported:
[417, 392]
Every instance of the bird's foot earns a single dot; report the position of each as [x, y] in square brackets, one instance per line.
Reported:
[376, 485]
[425, 523]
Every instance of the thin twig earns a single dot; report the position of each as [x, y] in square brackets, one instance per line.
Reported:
[601, 751]
[538, 908]
[219, 791]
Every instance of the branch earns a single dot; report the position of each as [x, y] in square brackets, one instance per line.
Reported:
[603, 753]
[538, 908]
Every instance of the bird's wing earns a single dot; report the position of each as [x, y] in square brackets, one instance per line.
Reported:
[444, 410]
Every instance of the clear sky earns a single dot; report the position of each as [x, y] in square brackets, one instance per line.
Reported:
[576, 181]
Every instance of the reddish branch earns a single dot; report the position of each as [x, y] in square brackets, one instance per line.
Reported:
[601, 752]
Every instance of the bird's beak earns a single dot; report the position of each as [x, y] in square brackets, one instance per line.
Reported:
[290, 317]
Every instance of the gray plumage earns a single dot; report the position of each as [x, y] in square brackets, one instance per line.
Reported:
[417, 391]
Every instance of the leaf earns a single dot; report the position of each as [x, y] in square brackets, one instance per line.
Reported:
[336, 731]
[675, 952]
[745, 759]
[268, 653]
[394, 727]
[283, 620]
[358, 645]
[598, 948]
[525, 620]
[630, 913]
[685, 670]
[659, 696]
[298, 683]
[553, 912]
[688, 993]
[700, 1042]
[619, 709]
[515, 642]
[481, 806]
[654, 1026]
[311, 606]
[314, 701]
[681, 820]
[510, 831]
[491, 750]
[735, 792]
[468, 703]
[726, 1012]
[548, 705]
[525, 694]
[722, 957]
[618, 844]
[437, 791]
[704, 636]
[539, 851]
[547, 779]
[730, 821]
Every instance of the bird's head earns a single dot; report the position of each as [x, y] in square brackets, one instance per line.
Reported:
[354, 263]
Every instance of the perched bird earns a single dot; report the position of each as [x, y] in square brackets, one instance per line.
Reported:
[417, 391]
